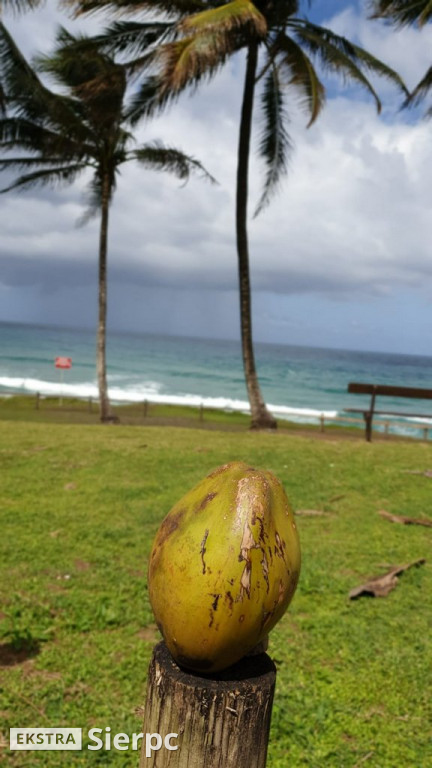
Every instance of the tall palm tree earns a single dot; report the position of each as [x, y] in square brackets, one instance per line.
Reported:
[192, 42]
[403, 13]
[84, 126]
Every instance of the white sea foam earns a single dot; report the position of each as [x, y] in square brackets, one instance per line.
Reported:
[420, 420]
[302, 414]
[391, 417]
[48, 387]
[147, 390]
[151, 391]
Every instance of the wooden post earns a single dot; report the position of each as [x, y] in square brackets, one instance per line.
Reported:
[369, 417]
[425, 433]
[221, 721]
[322, 423]
[386, 429]
[37, 400]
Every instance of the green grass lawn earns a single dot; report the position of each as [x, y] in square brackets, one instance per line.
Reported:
[80, 505]
[55, 411]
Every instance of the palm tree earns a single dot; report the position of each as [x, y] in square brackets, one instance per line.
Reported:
[84, 126]
[402, 13]
[193, 41]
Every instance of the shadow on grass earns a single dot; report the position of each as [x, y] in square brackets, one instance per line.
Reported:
[14, 653]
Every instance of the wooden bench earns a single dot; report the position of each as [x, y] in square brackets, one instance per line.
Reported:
[390, 391]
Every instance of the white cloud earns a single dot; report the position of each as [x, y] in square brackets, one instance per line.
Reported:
[352, 214]
[35, 31]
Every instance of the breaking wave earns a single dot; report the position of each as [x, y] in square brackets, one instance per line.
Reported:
[151, 391]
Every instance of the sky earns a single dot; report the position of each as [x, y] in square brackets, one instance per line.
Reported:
[341, 258]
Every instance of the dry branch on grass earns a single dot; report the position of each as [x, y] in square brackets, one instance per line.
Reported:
[405, 520]
[423, 472]
[380, 586]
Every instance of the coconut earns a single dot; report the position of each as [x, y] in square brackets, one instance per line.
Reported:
[224, 567]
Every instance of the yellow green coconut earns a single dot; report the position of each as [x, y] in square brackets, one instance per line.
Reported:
[224, 567]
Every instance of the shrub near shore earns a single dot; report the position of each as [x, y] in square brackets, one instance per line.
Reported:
[80, 506]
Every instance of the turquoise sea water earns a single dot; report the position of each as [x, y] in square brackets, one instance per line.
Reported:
[297, 382]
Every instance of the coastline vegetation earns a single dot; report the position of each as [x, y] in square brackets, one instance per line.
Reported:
[80, 507]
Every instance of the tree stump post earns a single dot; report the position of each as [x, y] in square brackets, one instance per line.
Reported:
[221, 721]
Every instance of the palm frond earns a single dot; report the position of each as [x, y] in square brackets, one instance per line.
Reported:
[87, 65]
[175, 9]
[21, 162]
[278, 13]
[2, 101]
[402, 12]
[14, 67]
[141, 64]
[76, 59]
[340, 56]
[421, 90]
[132, 37]
[20, 6]
[302, 75]
[377, 67]
[97, 82]
[49, 177]
[227, 18]
[17, 133]
[28, 97]
[156, 156]
[275, 142]
[210, 37]
[146, 101]
[187, 61]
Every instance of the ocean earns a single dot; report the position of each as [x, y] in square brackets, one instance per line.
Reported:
[298, 383]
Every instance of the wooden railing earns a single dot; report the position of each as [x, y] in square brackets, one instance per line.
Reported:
[204, 413]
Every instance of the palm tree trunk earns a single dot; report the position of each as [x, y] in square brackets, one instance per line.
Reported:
[106, 414]
[261, 418]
